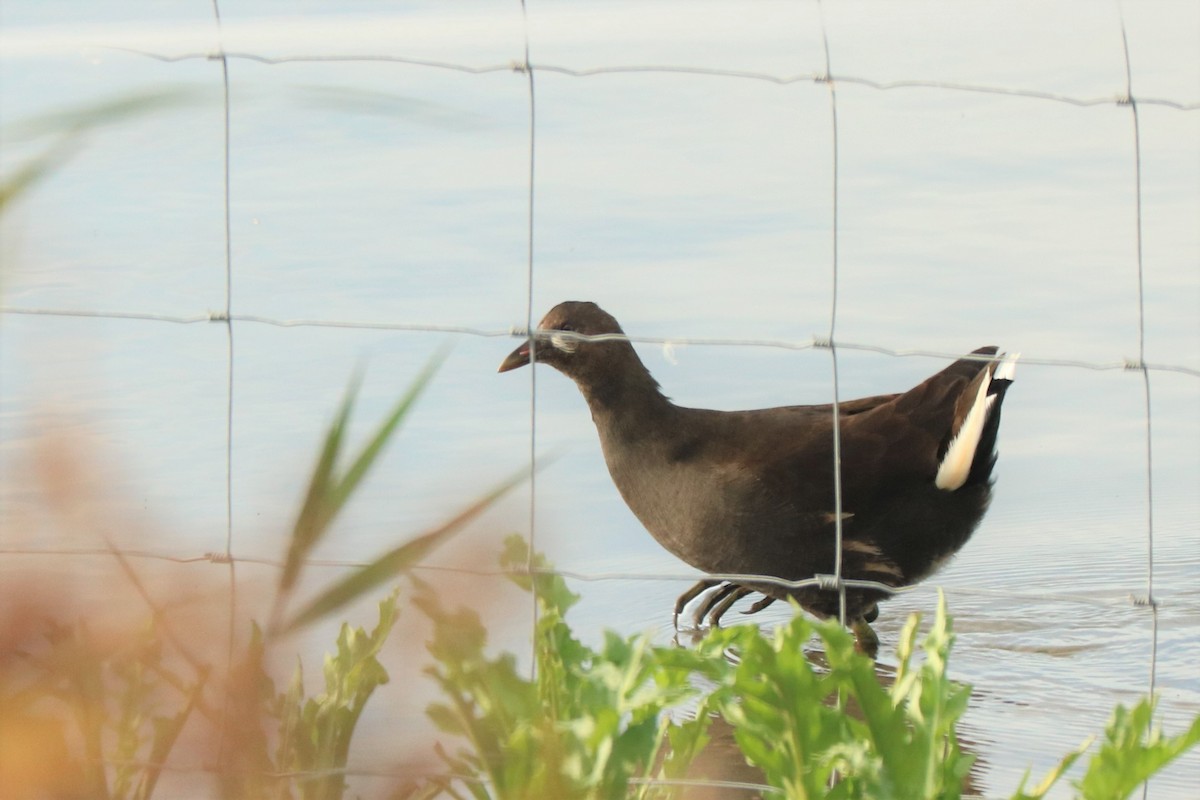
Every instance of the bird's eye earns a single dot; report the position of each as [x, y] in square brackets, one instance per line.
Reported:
[566, 327]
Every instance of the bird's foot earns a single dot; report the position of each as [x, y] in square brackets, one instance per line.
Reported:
[717, 603]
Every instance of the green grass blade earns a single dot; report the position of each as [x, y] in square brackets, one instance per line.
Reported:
[24, 177]
[397, 561]
[70, 126]
[313, 519]
[342, 489]
[103, 112]
[1038, 792]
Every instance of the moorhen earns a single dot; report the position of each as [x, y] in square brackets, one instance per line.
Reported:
[752, 492]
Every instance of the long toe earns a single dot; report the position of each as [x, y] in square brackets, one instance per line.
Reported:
[714, 619]
[691, 595]
[865, 640]
[710, 602]
[760, 605]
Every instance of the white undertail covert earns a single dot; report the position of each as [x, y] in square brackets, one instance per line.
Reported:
[956, 464]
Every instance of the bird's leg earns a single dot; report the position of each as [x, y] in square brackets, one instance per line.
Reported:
[714, 619]
[865, 640]
[690, 595]
[715, 597]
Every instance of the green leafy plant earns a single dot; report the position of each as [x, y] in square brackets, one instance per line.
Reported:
[590, 721]
[1132, 750]
[608, 722]
[313, 734]
[789, 720]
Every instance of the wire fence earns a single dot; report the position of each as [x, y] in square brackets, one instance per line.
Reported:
[529, 69]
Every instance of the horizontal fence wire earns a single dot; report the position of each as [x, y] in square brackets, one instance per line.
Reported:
[666, 69]
[529, 69]
[520, 331]
[819, 581]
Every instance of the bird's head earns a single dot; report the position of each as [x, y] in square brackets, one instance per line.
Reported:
[561, 340]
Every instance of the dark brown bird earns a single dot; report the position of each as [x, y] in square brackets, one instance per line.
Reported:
[752, 492]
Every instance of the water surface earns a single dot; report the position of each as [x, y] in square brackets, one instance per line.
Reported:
[692, 206]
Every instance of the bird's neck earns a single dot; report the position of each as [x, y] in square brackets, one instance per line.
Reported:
[626, 400]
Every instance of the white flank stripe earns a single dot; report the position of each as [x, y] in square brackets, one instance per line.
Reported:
[956, 465]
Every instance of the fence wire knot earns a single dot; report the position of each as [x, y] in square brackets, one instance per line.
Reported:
[219, 558]
[218, 316]
[825, 342]
[1133, 364]
[829, 583]
[1144, 600]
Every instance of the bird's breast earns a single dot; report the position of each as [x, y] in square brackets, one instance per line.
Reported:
[712, 516]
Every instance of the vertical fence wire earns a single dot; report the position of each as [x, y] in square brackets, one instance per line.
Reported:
[837, 432]
[529, 564]
[833, 309]
[227, 318]
[1149, 600]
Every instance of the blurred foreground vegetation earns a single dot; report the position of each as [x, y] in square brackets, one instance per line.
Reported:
[102, 716]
